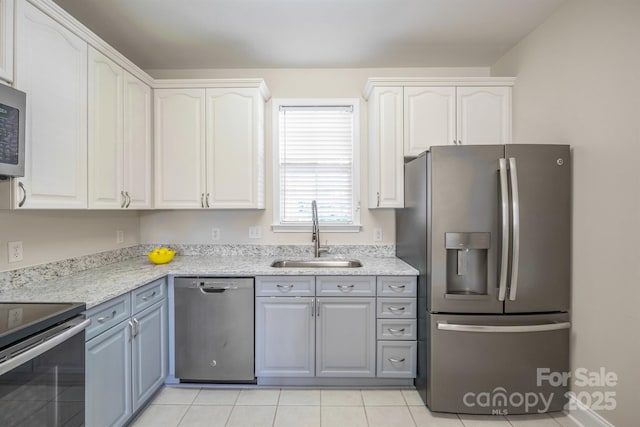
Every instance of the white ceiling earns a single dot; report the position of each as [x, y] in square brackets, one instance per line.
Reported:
[183, 34]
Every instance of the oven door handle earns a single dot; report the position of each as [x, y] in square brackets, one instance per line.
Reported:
[43, 347]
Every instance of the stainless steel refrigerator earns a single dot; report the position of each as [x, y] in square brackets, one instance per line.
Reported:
[488, 227]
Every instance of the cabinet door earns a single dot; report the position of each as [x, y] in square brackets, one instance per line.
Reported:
[285, 337]
[137, 142]
[429, 118]
[108, 377]
[235, 154]
[105, 132]
[484, 115]
[346, 337]
[179, 148]
[149, 352]
[386, 158]
[51, 67]
[6, 40]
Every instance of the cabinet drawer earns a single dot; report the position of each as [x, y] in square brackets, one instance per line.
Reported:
[392, 308]
[107, 315]
[346, 286]
[397, 286]
[396, 329]
[148, 295]
[272, 286]
[396, 359]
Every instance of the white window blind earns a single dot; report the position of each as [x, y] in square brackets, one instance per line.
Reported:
[316, 162]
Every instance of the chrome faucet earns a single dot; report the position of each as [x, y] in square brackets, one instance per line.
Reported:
[315, 231]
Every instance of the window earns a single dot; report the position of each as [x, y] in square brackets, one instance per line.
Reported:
[316, 152]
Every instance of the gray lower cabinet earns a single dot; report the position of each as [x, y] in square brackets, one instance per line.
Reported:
[285, 337]
[126, 360]
[323, 337]
[346, 337]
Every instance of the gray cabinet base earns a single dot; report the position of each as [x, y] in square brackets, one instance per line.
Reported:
[334, 382]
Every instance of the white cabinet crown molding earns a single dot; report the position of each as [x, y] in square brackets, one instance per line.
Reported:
[214, 83]
[434, 81]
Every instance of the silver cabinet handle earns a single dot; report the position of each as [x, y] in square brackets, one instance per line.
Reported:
[396, 331]
[313, 307]
[124, 200]
[207, 200]
[504, 204]
[24, 194]
[136, 325]
[149, 296]
[131, 329]
[105, 318]
[317, 308]
[393, 309]
[345, 288]
[515, 222]
[202, 199]
[444, 326]
[128, 199]
[283, 287]
[392, 360]
[378, 193]
[397, 288]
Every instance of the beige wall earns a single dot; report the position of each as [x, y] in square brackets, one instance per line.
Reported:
[195, 226]
[578, 82]
[56, 235]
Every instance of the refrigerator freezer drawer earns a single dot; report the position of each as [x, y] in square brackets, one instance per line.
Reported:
[490, 364]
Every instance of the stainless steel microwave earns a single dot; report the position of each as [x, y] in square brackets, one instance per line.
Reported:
[12, 127]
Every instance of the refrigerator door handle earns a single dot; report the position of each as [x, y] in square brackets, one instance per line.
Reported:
[515, 220]
[544, 327]
[504, 203]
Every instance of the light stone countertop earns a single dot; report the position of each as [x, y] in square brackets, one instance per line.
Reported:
[101, 284]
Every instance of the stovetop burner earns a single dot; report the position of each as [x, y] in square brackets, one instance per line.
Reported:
[20, 320]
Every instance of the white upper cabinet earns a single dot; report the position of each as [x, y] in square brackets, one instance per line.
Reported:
[429, 118]
[386, 161]
[105, 132]
[119, 137]
[209, 147]
[235, 154]
[179, 148]
[483, 115]
[51, 67]
[6, 40]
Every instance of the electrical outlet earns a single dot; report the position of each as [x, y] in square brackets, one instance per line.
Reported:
[215, 234]
[377, 234]
[119, 236]
[255, 232]
[15, 317]
[14, 251]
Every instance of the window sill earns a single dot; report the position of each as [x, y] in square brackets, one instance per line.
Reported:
[351, 228]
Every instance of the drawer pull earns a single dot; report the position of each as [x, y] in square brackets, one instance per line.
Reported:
[105, 318]
[397, 288]
[394, 309]
[345, 288]
[392, 360]
[149, 296]
[285, 288]
[396, 331]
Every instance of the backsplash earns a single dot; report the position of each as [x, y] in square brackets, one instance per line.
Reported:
[24, 276]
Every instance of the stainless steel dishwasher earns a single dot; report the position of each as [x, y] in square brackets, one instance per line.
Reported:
[214, 329]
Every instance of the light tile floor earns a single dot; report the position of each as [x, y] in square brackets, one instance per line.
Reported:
[195, 407]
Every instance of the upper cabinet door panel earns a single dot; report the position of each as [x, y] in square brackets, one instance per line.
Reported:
[137, 142]
[51, 67]
[429, 118]
[105, 132]
[6, 40]
[484, 115]
[234, 148]
[179, 148]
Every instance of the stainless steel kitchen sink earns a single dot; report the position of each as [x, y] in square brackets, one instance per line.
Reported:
[317, 263]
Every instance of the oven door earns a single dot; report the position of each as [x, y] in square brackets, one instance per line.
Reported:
[42, 378]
